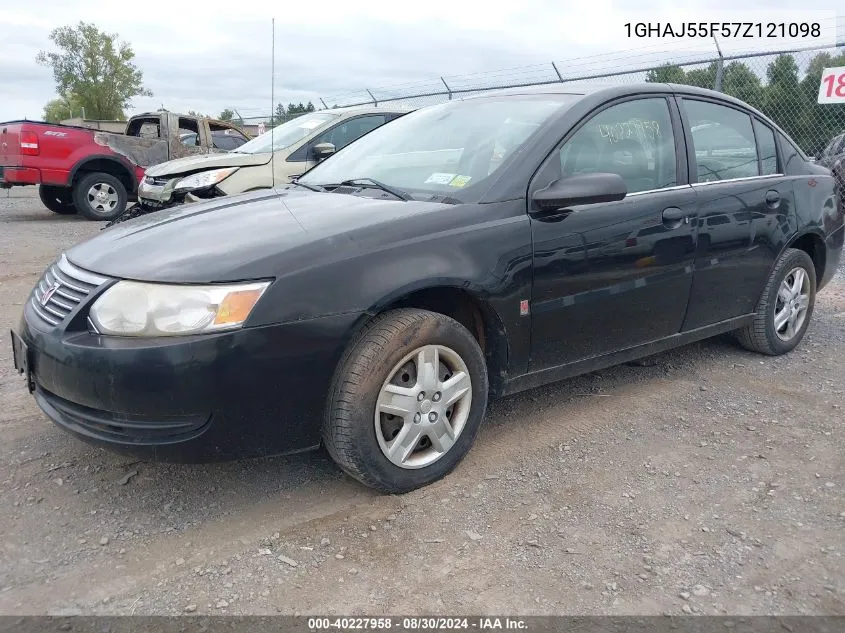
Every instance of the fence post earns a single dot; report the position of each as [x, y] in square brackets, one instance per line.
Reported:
[557, 71]
[375, 101]
[448, 89]
[325, 107]
[720, 67]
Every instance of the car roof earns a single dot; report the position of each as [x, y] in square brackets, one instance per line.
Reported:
[609, 89]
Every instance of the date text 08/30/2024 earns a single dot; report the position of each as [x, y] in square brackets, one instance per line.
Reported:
[417, 624]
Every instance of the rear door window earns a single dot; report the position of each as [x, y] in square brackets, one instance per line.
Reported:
[723, 141]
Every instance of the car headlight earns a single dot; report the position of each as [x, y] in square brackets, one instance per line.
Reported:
[131, 308]
[204, 179]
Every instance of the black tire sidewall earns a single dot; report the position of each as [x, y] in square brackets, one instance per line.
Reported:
[80, 196]
[792, 260]
[57, 199]
[436, 330]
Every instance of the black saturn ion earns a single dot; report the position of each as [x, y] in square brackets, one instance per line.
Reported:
[464, 251]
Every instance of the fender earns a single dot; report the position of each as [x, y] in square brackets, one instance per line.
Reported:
[816, 231]
[112, 158]
[498, 346]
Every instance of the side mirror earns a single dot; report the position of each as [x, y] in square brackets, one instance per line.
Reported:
[576, 190]
[322, 150]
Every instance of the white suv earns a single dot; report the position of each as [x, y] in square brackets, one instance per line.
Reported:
[298, 145]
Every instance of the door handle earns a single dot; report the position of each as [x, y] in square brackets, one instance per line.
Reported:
[673, 217]
[772, 199]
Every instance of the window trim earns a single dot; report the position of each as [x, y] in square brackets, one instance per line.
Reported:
[681, 169]
[778, 161]
[293, 158]
[692, 164]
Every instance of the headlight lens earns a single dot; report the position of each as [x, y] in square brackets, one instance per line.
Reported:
[204, 179]
[131, 308]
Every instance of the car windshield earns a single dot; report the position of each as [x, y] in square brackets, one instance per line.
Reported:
[444, 150]
[286, 134]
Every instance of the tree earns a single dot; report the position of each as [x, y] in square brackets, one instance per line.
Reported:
[739, 81]
[226, 115]
[196, 114]
[668, 73]
[310, 107]
[95, 67]
[58, 110]
[280, 112]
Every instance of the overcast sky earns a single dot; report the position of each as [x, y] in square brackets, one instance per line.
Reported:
[210, 55]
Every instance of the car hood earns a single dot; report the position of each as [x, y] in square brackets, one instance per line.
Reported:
[207, 161]
[256, 235]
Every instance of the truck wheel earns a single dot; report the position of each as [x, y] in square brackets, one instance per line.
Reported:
[407, 400]
[784, 311]
[99, 196]
[57, 199]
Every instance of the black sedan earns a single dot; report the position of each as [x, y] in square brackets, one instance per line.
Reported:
[467, 250]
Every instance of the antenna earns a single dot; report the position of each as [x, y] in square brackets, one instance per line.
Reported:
[272, 102]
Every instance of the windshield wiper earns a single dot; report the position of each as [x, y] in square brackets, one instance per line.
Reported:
[402, 195]
[302, 184]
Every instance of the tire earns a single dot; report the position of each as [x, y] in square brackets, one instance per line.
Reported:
[761, 335]
[57, 199]
[111, 205]
[359, 441]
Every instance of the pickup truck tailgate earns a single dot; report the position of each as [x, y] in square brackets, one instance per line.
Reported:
[10, 146]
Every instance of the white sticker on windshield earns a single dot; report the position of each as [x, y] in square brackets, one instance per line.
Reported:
[440, 178]
[309, 125]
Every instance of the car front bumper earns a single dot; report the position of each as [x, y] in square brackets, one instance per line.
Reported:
[250, 392]
[156, 194]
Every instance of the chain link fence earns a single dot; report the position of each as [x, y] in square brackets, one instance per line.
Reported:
[782, 84]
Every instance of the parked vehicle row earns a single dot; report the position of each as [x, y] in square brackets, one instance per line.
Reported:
[464, 251]
[274, 158]
[95, 173]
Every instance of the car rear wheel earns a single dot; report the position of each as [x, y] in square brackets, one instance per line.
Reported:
[100, 196]
[57, 199]
[407, 400]
[784, 311]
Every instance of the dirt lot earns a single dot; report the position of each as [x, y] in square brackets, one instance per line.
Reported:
[706, 480]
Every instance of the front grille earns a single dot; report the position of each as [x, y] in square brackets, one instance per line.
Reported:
[61, 289]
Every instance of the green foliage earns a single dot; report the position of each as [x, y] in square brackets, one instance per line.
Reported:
[226, 115]
[300, 108]
[783, 95]
[57, 110]
[95, 67]
[668, 74]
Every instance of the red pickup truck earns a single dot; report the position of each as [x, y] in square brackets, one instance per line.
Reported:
[93, 172]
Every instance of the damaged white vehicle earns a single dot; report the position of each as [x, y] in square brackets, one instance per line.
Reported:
[298, 145]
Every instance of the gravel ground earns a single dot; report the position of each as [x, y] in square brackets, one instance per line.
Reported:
[707, 480]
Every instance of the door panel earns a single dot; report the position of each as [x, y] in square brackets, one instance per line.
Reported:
[610, 276]
[737, 243]
[613, 275]
[744, 204]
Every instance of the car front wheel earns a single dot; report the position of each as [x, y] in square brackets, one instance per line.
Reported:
[784, 311]
[407, 400]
